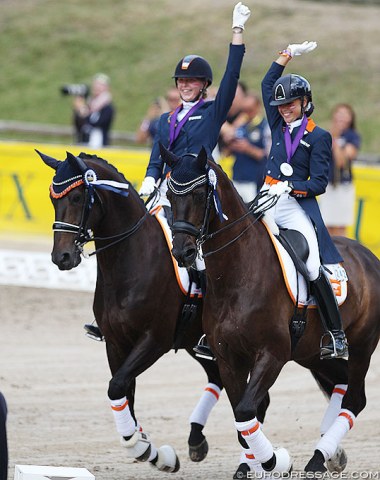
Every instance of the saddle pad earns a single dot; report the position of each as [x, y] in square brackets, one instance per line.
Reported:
[335, 273]
[180, 272]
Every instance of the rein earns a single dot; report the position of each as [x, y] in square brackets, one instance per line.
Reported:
[201, 235]
[253, 209]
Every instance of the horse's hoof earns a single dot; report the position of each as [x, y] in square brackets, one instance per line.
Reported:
[316, 463]
[338, 462]
[283, 462]
[166, 460]
[199, 452]
[242, 472]
[138, 446]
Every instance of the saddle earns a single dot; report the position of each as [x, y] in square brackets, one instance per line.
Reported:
[297, 247]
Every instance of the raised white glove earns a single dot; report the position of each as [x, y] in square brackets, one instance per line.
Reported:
[279, 189]
[300, 48]
[240, 15]
[147, 186]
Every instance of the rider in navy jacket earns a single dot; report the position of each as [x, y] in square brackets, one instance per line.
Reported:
[297, 171]
[192, 77]
[310, 164]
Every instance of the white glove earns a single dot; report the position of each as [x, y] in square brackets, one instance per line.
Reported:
[240, 15]
[300, 48]
[279, 189]
[147, 187]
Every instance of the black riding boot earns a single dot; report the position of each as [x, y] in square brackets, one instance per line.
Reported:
[336, 346]
[202, 349]
[93, 332]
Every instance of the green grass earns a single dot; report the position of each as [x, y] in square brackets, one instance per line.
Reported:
[47, 43]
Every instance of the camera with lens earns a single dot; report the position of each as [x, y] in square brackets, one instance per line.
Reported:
[76, 89]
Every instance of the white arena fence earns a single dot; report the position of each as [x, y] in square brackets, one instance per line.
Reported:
[35, 269]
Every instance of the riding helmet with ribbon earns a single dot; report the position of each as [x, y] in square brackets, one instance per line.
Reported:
[193, 66]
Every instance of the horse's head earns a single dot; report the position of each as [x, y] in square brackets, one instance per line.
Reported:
[190, 192]
[71, 202]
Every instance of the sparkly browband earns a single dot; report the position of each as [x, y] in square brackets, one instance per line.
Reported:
[68, 188]
[182, 188]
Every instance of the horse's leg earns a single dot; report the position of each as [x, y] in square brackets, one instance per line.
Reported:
[198, 446]
[332, 378]
[138, 444]
[353, 402]
[264, 373]
[234, 375]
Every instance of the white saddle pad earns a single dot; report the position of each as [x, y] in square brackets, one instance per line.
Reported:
[181, 272]
[294, 281]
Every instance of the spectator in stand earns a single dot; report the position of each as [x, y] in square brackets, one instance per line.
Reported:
[338, 203]
[3, 439]
[249, 147]
[148, 128]
[234, 118]
[93, 116]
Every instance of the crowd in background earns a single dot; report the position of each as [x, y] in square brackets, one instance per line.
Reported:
[245, 136]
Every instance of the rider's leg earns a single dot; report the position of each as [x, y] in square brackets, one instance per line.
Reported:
[336, 347]
[202, 349]
[290, 214]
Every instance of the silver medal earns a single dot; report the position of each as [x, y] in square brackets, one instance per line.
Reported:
[286, 169]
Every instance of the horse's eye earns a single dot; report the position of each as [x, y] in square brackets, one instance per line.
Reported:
[76, 198]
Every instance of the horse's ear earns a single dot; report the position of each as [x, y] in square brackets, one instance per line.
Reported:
[76, 162]
[167, 156]
[50, 161]
[202, 158]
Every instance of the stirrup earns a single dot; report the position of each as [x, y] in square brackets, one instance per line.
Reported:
[330, 351]
[93, 332]
[202, 349]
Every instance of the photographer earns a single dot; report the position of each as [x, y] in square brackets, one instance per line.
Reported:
[93, 116]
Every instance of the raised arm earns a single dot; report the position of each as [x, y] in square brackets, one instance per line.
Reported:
[240, 15]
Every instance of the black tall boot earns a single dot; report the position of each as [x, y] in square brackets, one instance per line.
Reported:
[202, 349]
[336, 346]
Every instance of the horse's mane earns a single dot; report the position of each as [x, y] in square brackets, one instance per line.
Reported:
[105, 163]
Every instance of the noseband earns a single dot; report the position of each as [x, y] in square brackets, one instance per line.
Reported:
[183, 226]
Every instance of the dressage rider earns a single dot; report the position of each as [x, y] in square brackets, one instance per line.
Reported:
[297, 171]
[196, 122]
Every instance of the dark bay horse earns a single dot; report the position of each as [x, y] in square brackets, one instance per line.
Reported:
[137, 299]
[247, 308]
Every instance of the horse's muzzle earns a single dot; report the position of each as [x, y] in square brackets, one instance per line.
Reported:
[66, 260]
[185, 256]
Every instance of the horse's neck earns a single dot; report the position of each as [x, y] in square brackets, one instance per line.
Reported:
[125, 216]
[246, 239]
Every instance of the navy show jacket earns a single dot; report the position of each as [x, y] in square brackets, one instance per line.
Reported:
[202, 128]
[310, 164]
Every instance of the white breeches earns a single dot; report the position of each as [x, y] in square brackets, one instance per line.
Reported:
[163, 200]
[287, 213]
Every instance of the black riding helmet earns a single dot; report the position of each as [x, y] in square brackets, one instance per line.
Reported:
[193, 66]
[289, 88]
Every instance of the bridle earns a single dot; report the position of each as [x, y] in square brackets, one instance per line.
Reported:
[201, 235]
[84, 234]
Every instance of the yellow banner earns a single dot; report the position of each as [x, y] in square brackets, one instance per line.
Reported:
[24, 182]
[25, 207]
